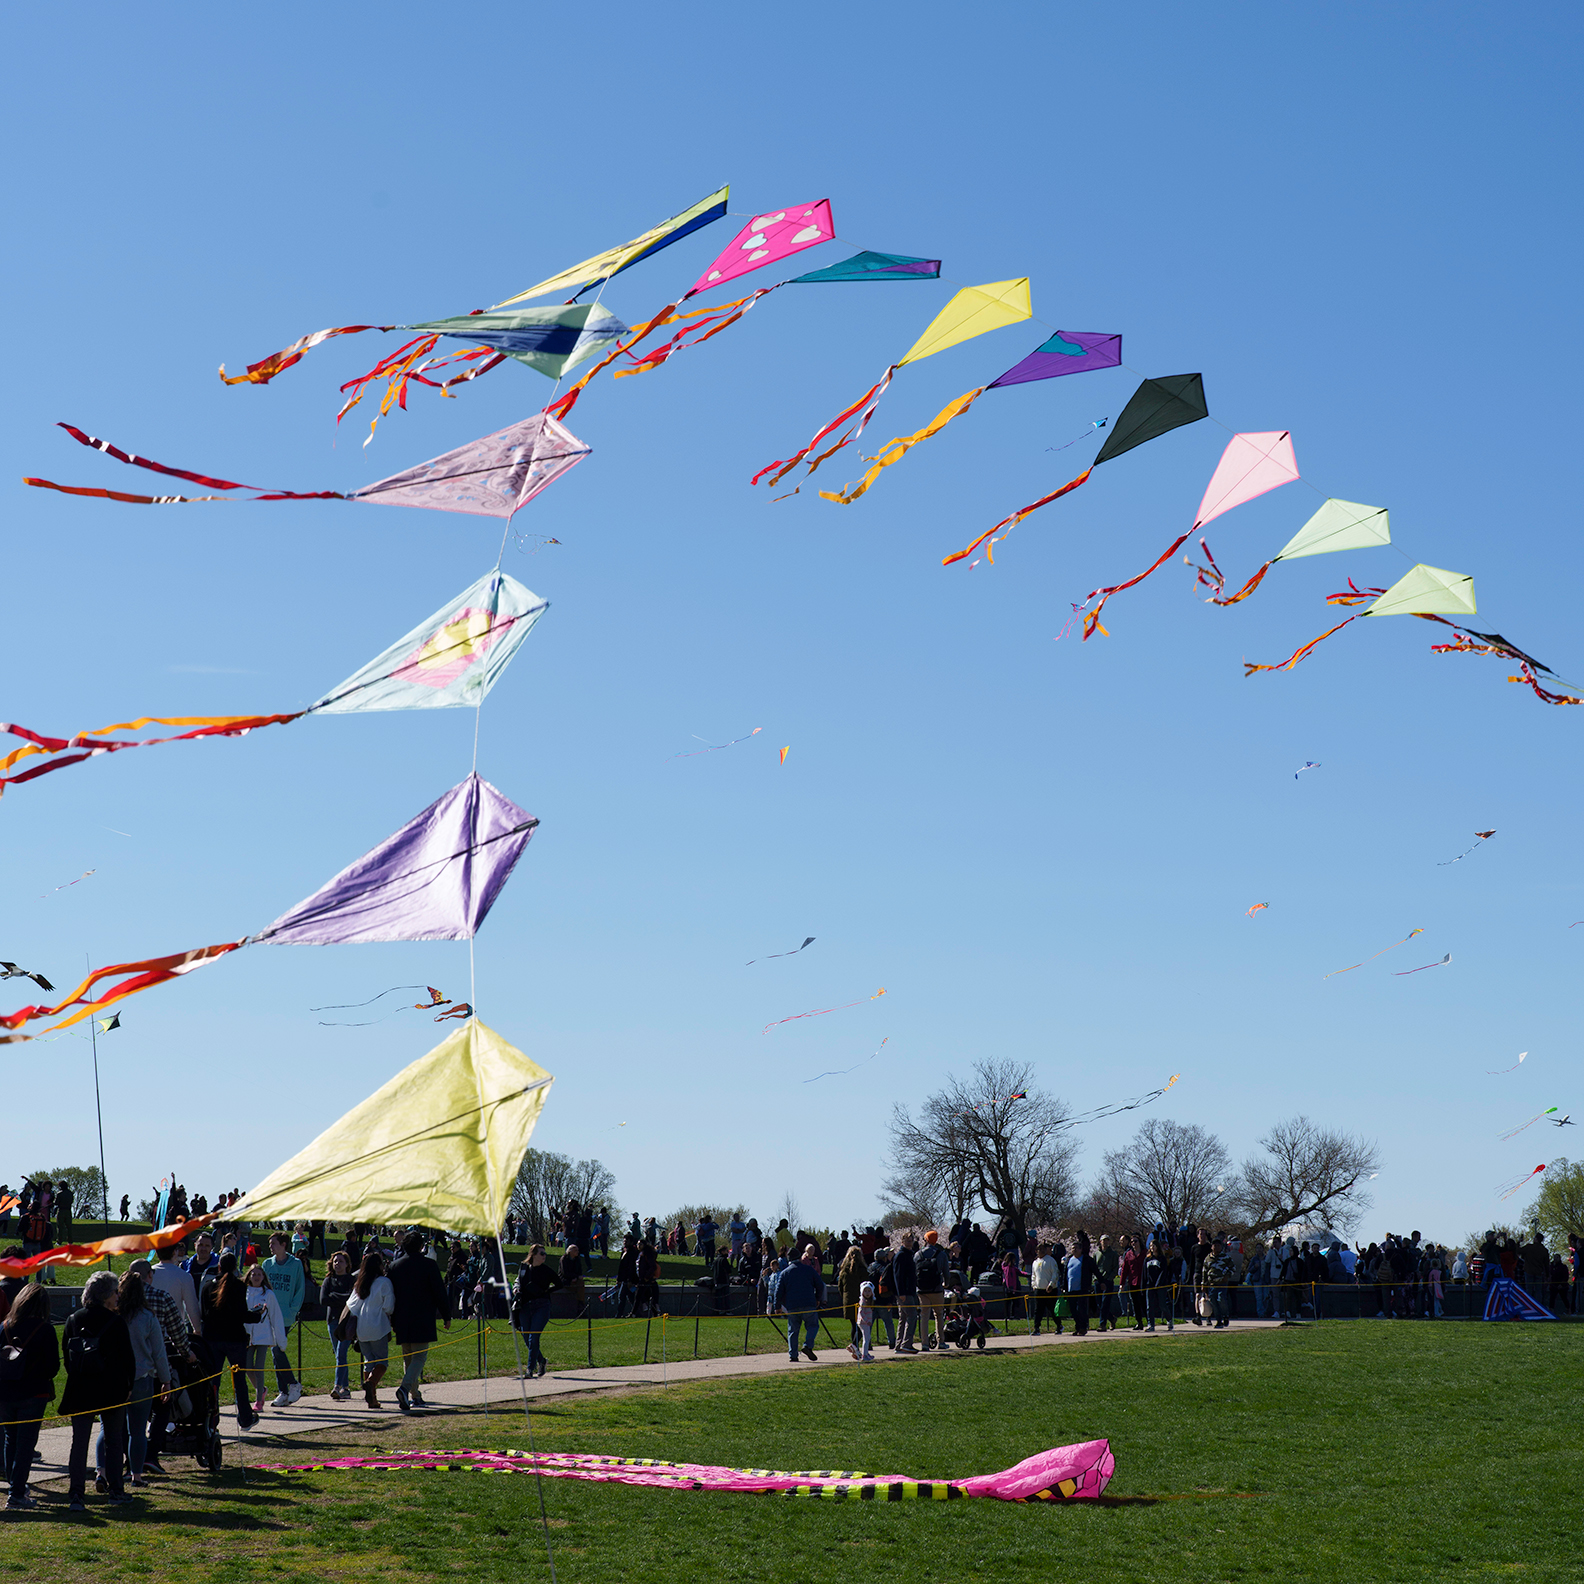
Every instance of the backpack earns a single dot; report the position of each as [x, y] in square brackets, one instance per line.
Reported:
[12, 1356]
[82, 1352]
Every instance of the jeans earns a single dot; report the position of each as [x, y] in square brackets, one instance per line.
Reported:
[257, 1358]
[138, 1413]
[932, 1305]
[535, 1318]
[1218, 1305]
[343, 1375]
[1159, 1302]
[20, 1422]
[1262, 1303]
[887, 1317]
[1045, 1309]
[807, 1317]
[907, 1319]
[412, 1367]
[114, 1422]
[283, 1369]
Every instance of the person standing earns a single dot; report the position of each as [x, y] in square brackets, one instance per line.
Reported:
[531, 1308]
[284, 1272]
[202, 1261]
[736, 1235]
[265, 1333]
[704, 1231]
[1080, 1281]
[1045, 1279]
[126, 1206]
[905, 1269]
[865, 1319]
[627, 1277]
[1130, 1275]
[26, 1388]
[571, 1273]
[420, 1300]
[373, 1301]
[152, 1369]
[333, 1295]
[851, 1278]
[930, 1266]
[177, 1285]
[63, 1213]
[797, 1296]
[99, 1372]
[883, 1279]
[226, 1317]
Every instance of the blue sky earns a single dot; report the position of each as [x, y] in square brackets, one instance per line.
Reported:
[1353, 222]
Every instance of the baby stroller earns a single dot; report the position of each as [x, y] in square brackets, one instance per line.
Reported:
[193, 1412]
[965, 1319]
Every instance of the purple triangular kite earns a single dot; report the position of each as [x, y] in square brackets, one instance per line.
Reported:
[491, 477]
[435, 879]
[1067, 352]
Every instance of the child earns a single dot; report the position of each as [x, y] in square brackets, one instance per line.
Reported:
[866, 1303]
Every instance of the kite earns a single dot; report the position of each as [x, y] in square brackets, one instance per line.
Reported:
[694, 753]
[1373, 955]
[449, 661]
[461, 1012]
[9, 970]
[842, 1072]
[1496, 1072]
[1255, 909]
[1470, 641]
[1099, 423]
[1508, 1189]
[1512, 1133]
[1421, 591]
[5, 764]
[92, 1253]
[1069, 352]
[105, 1025]
[1441, 964]
[1251, 465]
[435, 879]
[785, 751]
[1484, 836]
[1308, 764]
[1509, 1301]
[436, 999]
[495, 476]
[1116, 1108]
[821, 1012]
[1338, 525]
[1157, 407]
[1563, 1121]
[773, 955]
[1077, 1472]
[971, 312]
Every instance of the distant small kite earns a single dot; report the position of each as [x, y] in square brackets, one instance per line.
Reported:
[773, 955]
[1099, 423]
[821, 1011]
[1371, 958]
[716, 748]
[111, 1022]
[1484, 836]
[436, 999]
[1496, 1072]
[1255, 909]
[460, 1011]
[842, 1073]
[1514, 1132]
[10, 970]
[1308, 764]
[1442, 964]
[785, 751]
[78, 881]
[1508, 1189]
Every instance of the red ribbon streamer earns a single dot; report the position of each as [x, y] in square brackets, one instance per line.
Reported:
[874, 392]
[1018, 516]
[1092, 620]
[1249, 668]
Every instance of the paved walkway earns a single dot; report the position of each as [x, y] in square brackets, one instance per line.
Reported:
[320, 1413]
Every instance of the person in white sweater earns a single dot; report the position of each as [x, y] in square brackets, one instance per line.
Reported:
[373, 1301]
[263, 1334]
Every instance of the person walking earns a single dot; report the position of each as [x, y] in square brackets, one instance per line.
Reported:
[1045, 1280]
[177, 1284]
[531, 1305]
[152, 1370]
[126, 1206]
[99, 1373]
[905, 1269]
[284, 1272]
[797, 1296]
[226, 1317]
[27, 1383]
[850, 1279]
[373, 1301]
[333, 1294]
[420, 1299]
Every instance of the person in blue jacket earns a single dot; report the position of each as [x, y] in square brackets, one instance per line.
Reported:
[797, 1297]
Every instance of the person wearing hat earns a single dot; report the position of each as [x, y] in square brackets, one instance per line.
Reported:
[930, 1266]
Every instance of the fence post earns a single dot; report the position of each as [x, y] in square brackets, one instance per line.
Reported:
[649, 1321]
[747, 1321]
[589, 1315]
[299, 1354]
[695, 1323]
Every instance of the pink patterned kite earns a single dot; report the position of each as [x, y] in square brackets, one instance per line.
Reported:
[767, 239]
[1079, 1472]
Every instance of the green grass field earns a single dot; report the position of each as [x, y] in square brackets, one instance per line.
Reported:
[1340, 1452]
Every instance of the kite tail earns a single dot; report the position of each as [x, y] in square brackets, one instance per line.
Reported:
[894, 450]
[92, 1253]
[1543, 694]
[1248, 588]
[144, 975]
[121, 495]
[560, 408]
[94, 745]
[262, 372]
[1249, 668]
[1011, 522]
[722, 312]
[396, 370]
[1354, 595]
[778, 470]
[1092, 619]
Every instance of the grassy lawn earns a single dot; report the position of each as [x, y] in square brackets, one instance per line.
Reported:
[1338, 1453]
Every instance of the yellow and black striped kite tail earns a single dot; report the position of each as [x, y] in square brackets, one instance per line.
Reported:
[849, 1489]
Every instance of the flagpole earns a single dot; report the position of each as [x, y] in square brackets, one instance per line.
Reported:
[104, 1181]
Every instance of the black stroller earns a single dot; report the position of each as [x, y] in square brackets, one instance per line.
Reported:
[193, 1412]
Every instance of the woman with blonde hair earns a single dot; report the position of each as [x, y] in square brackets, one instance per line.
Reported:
[849, 1283]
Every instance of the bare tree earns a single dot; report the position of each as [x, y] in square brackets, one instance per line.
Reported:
[1170, 1172]
[913, 1199]
[994, 1139]
[546, 1180]
[1306, 1173]
[790, 1210]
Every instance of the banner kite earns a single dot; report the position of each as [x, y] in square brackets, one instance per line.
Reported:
[808, 940]
[1068, 1473]
[450, 661]
[1513, 1133]
[1422, 591]
[434, 879]
[1373, 955]
[1440, 964]
[493, 477]
[1508, 1189]
[972, 311]
[1157, 407]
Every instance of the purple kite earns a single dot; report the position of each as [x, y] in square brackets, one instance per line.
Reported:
[1067, 352]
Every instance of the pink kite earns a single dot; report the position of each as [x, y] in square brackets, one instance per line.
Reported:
[767, 239]
[1066, 1473]
[1251, 465]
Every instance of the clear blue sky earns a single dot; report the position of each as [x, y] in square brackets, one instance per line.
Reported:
[1356, 222]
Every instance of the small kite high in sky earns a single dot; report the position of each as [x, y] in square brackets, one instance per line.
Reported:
[1483, 837]
[1441, 964]
[1513, 1133]
[842, 1072]
[1373, 955]
[5, 764]
[822, 1011]
[449, 661]
[1508, 1189]
[1308, 764]
[773, 955]
[785, 751]
[9, 970]
[1496, 1072]
[436, 999]
[1256, 908]
[693, 753]
[105, 1025]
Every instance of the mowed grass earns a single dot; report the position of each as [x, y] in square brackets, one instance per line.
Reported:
[1348, 1451]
